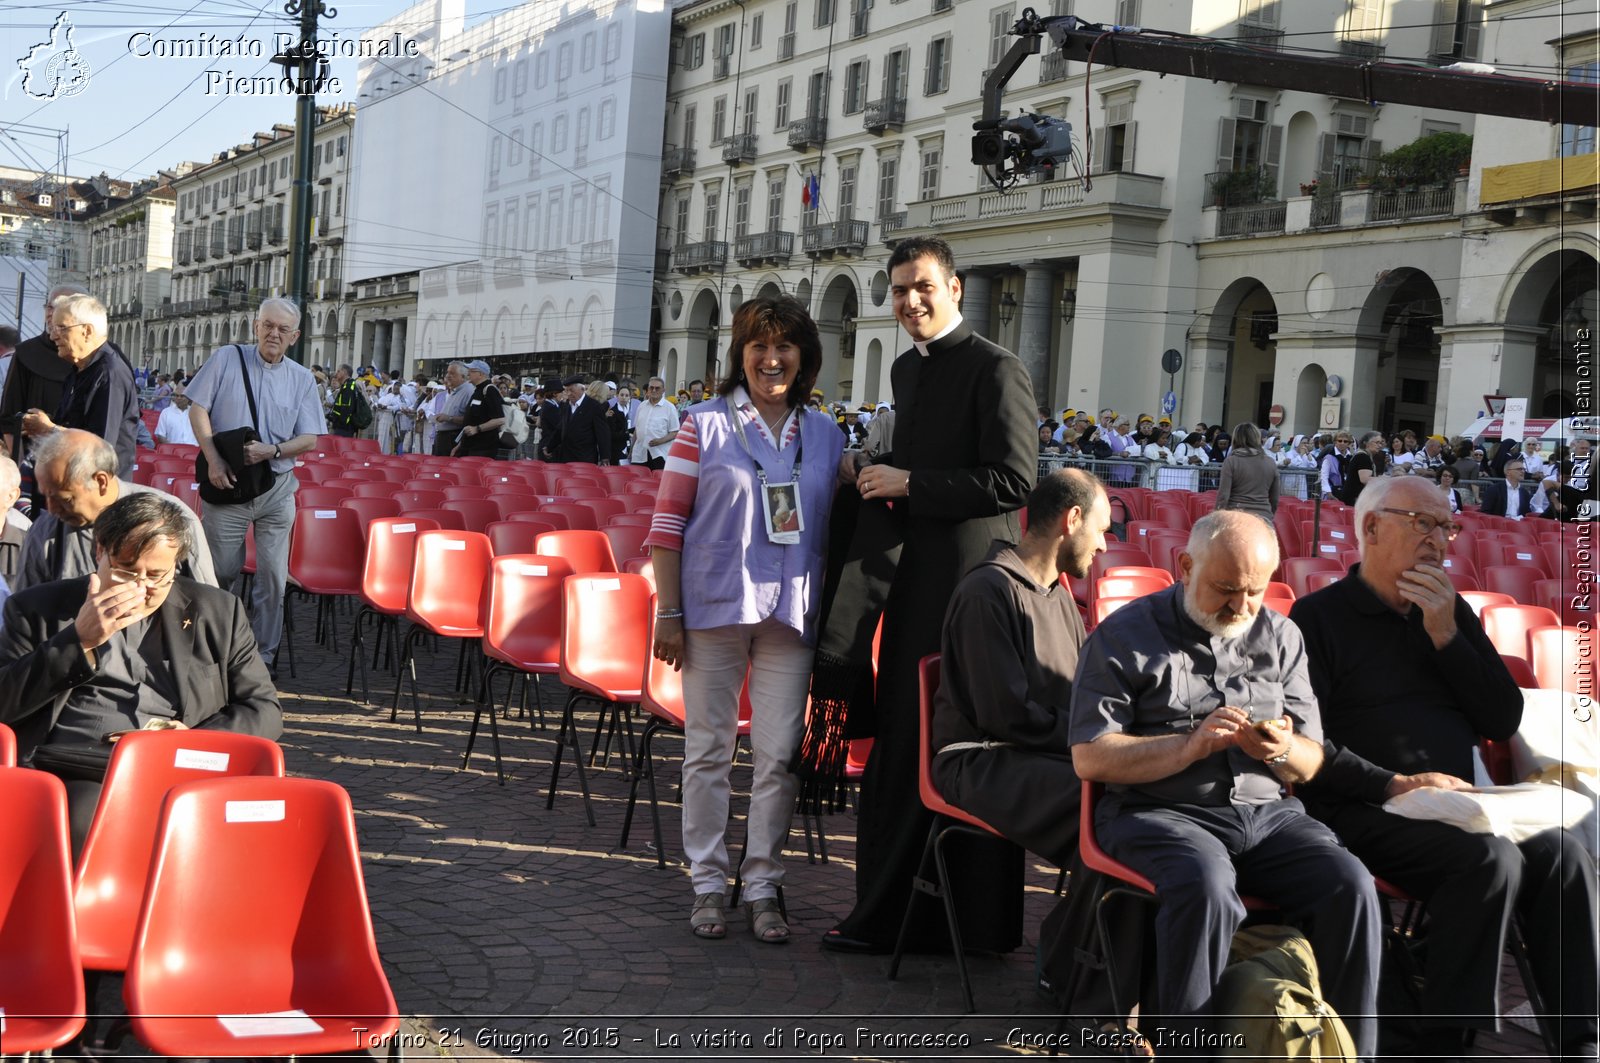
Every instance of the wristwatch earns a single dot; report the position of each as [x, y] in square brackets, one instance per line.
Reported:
[277, 450]
[1281, 758]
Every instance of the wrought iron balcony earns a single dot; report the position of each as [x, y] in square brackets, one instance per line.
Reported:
[880, 115]
[721, 66]
[1357, 48]
[698, 258]
[786, 46]
[252, 239]
[1261, 36]
[847, 237]
[598, 256]
[889, 226]
[808, 132]
[739, 148]
[1052, 68]
[676, 161]
[551, 265]
[760, 248]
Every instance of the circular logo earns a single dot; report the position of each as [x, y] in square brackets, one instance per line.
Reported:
[67, 74]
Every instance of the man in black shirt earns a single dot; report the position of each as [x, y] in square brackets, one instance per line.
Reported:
[1367, 462]
[1408, 682]
[37, 372]
[483, 416]
[99, 394]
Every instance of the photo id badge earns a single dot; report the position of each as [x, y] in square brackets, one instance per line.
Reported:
[780, 503]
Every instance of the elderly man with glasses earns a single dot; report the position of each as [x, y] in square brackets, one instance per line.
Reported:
[288, 418]
[99, 394]
[1408, 683]
[655, 425]
[129, 646]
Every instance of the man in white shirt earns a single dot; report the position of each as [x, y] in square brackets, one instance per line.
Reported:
[173, 425]
[655, 426]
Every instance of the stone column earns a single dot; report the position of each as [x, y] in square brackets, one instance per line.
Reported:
[1479, 360]
[1038, 313]
[975, 302]
[380, 344]
[397, 345]
[832, 336]
[1205, 380]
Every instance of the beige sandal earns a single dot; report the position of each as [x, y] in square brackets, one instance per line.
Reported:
[767, 922]
[709, 918]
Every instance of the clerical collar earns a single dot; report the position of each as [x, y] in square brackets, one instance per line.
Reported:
[922, 345]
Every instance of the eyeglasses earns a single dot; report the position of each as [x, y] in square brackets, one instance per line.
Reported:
[1425, 525]
[150, 582]
[59, 330]
[276, 330]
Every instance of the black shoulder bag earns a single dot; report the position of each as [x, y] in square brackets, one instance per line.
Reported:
[250, 481]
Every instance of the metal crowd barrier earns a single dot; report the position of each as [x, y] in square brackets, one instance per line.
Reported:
[1141, 472]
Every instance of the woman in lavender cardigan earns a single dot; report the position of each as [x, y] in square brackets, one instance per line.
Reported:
[739, 591]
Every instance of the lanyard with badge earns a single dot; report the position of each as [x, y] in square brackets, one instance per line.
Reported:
[780, 502]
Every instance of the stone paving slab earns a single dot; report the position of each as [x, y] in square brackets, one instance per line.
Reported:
[513, 931]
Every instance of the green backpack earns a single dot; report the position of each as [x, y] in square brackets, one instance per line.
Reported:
[1269, 1005]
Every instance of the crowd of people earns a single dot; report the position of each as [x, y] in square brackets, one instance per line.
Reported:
[824, 553]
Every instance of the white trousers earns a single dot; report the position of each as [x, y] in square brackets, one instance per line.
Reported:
[779, 664]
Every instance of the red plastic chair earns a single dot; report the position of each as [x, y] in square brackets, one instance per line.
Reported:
[1297, 569]
[514, 536]
[630, 520]
[588, 551]
[448, 584]
[1563, 659]
[453, 492]
[637, 503]
[112, 871]
[1128, 586]
[603, 508]
[368, 510]
[1145, 572]
[947, 818]
[1318, 580]
[577, 517]
[1481, 599]
[578, 490]
[522, 632]
[605, 644]
[427, 480]
[1459, 566]
[269, 869]
[450, 519]
[626, 542]
[1515, 580]
[1563, 597]
[320, 497]
[513, 502]
[385, 587]
[412, 501]
[325, 551]
[41, 977]
[1521, 672]
[1508, 626]
[8, 747]
[642, 566]
[476, 513]
[1105, 606]
[374, 489]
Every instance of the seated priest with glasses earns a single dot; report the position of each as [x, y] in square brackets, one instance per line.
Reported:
[130, 646]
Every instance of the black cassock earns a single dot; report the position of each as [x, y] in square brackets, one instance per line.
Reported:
[966, 430]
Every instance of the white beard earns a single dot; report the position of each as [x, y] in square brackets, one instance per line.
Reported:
[1214, 627]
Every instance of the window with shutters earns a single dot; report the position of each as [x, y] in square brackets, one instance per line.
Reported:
[535, 148]
[580, 137]
[855, 87]
[755, 31]
[558, 135]
[608, 119]
[1001, 19]
[602, 208]
[1258, 12]
[491, 229]
[688, 126]
[1127, 12]
[530, 224]
[846, 207]
[694, 52]
[1348, 153]
[580, 214]
[936, 79]
[1457, 29]
[722, 44]
[780, 114]
[500, 85]
[508, 239]
[680, 228]
[1248, 144]
[775, 186]
[613, 43]
[1118, 135]
[747, 117]
[519, 79]
[564, 61]
[896, 69]
[741, 210]
[1363, 21]
[494, 159]
[554, 232]
[712, 215]
[888, 183]
[515, 146]
[1580, 61]
[719, 119]
[824, 13]
[541, 70]
[931, 153]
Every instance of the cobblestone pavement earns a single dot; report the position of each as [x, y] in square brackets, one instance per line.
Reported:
[511, 930]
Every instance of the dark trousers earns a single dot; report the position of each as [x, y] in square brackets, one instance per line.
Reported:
[1472, 884]
[444, 441]
[1200, 859]
[656, 463]
[348, 433]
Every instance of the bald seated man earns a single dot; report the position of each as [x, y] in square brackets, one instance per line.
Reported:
[1194, 707]
[76, 472]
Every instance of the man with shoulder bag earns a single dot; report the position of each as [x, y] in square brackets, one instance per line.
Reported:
[253, 410]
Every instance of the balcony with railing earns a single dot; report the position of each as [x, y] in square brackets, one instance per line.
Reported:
[275, 234]
[1127, 194]
[701, 257]
[1260, 36]
[252, 239]
[786, 46]
[201, 251]
[884, 114]
[1252, 219]
[808, 132]
[889, 226]
[552, 265]
[758, 249]
[676, 161]
[739, 148]
[218, 242]
[1052, 68]
[1356, 48]
[597, 256]
[721, 67]
[826, 239]
[507, 271]
[469, 277]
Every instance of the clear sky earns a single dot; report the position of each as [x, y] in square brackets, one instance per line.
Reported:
[156, 82]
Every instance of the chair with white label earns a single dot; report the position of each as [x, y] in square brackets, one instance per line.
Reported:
[255, 938]
[448, 581]
[325, 551]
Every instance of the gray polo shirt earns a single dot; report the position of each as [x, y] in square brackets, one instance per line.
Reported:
[1148, 669]
[286, 397]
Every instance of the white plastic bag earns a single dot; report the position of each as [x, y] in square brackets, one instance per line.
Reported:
[1515, 812]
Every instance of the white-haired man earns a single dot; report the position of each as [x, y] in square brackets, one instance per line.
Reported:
[36, 375]
[288, 418]
[14, 527]
[99, 394]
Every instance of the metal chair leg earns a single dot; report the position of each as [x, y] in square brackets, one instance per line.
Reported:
[569, 737]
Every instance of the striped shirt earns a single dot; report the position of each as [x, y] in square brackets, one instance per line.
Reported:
[680, 479]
